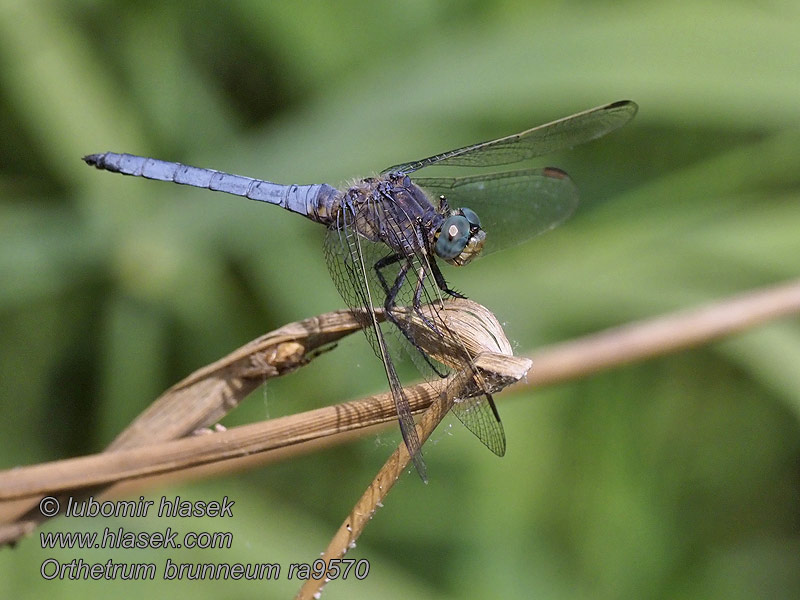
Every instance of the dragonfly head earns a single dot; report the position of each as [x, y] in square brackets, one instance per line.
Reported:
[460, 238]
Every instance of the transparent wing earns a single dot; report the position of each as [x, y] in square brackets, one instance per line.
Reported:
[544, 139]
[480, 416]
[513, 206]
[351, 259]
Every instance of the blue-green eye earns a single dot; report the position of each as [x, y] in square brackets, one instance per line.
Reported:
[471, 216]
[453, 236]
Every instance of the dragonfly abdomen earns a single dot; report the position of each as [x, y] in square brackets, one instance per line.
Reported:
[312, 201]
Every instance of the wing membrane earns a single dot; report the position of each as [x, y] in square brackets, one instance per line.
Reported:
[544, 139]
[352, 258]
[513, 206]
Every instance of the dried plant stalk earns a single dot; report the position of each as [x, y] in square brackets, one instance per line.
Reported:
[202, 398]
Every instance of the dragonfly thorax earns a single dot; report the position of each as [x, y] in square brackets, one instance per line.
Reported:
[460, 237]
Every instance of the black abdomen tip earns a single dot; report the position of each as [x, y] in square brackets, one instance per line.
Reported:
[99, 161]
[94, 160]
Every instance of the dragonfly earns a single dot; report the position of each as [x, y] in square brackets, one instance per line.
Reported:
[386, 235]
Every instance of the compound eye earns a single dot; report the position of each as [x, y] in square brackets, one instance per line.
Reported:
[453, 236]
[471, 216]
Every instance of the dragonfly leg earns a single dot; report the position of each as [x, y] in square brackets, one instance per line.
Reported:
[382, 264]
[426, 320]
[437, 274]
[418, 301]
[440, 281]
[390, 303]
[391, 293]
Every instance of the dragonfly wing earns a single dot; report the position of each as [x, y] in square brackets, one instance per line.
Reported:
[418, 322]
[350, 258]
[538, 141]
[479, 415]
[469, 391]
[513, 206]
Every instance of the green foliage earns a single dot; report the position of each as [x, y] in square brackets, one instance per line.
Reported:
[675, 479]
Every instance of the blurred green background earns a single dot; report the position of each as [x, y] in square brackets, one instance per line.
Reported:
[677, 478]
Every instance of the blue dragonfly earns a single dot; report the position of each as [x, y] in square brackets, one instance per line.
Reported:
[385, 235]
